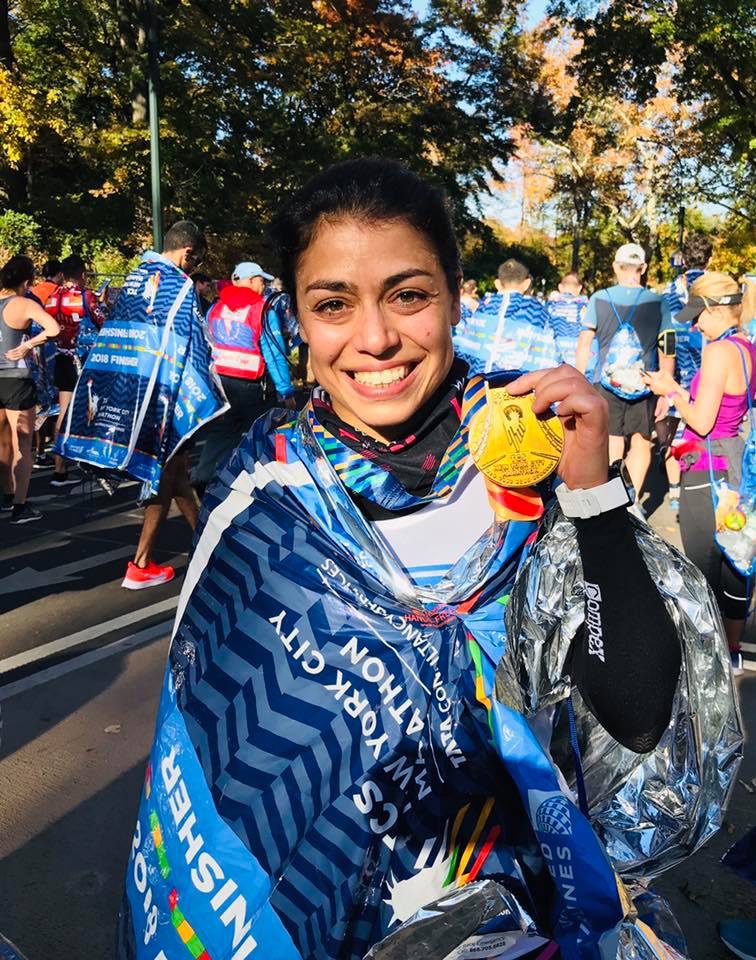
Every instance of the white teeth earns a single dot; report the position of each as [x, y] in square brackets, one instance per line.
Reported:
[379, 378]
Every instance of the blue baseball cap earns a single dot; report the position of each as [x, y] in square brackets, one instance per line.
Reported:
[245, 270]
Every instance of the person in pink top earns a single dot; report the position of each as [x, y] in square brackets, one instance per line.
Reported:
[714, 409]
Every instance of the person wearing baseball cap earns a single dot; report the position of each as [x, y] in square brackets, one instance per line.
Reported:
[251, 275]
[632, 310]
[248, 355]
[713, 408]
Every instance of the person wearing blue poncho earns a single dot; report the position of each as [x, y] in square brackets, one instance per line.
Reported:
[382, 658]
[696, 251]
[509, 324]
[146, 388]
[627, 320]
[565, 308]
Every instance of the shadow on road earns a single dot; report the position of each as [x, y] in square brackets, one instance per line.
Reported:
[36, 574]
[60, 891]
[656, 486]
[31, 714]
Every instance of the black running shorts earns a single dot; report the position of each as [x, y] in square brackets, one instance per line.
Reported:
[66, 373]
[17, 393]
[627, 417]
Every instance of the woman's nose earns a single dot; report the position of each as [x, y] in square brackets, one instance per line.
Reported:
[375, 334]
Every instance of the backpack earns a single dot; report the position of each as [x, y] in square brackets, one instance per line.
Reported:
[734, 498]
[70, 307]
[622, 371]
[235, 336]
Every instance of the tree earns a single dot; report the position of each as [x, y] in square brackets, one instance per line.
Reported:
[604, 157]
[255, 98]
[711, 51]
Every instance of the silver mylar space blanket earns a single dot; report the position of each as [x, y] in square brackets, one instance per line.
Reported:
[339, 770]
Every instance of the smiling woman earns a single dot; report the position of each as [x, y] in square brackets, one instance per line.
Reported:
[373, 265]
[379, 328]
[373, 628]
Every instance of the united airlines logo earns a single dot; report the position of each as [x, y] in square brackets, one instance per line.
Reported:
[553, 816]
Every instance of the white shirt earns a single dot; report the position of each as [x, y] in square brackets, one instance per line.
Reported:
[429, 541]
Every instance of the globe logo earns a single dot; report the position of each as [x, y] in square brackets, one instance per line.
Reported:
[553, 816]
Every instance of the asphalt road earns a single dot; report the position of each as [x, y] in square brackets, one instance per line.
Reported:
[80, 667]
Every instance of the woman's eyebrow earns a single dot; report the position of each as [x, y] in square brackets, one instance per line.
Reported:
[335, 286]
[341, 286]
[392, 281]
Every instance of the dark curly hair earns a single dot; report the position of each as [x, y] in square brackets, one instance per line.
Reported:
[17, 270]
[369, 189]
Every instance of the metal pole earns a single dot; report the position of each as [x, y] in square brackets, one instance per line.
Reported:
[680, 226]
[152, 90]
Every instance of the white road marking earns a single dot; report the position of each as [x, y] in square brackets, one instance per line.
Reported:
[29, 579]
[82, 636]
[34, 545]
[147, 635]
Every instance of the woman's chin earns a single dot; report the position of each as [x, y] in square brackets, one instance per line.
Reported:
[382, 414]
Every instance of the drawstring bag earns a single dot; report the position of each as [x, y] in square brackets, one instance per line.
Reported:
[734, 499]
[622, 372]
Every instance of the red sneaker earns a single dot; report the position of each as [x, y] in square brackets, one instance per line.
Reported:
[138, 578]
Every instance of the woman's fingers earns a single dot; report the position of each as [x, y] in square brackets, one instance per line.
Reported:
[553, 387]
[592, 410]
[534, 381]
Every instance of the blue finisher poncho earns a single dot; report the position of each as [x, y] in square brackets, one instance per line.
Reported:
[146, 386]
[507, 331]
[335, 748]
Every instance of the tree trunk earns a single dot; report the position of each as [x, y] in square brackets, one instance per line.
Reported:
[6, 49]
[576, 241]
[132, 39]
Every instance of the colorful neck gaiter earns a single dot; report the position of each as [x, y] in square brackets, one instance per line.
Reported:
[386, 479]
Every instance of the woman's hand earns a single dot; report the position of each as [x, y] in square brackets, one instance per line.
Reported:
[661, 382]
[19, 352]
[585, 419]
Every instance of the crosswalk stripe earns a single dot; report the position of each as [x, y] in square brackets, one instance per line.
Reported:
[82, 636]
[123, 645]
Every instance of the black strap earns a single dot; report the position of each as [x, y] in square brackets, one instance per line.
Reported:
[631, 314]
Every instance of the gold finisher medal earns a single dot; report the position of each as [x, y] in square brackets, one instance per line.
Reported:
[510, 444]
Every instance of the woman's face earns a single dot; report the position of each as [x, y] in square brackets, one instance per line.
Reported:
[376, 310]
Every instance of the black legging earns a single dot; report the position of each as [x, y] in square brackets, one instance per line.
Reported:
[697, 531]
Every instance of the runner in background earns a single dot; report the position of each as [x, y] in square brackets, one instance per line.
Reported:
[18, 395]
[510, 329]
[713, 409]
[280, 305]
[696, 252]
[245, 354]
[43, 364]
[628, 306]
[184, 248]
[71, 305]
[468, 296]
[566, 307]
[204, 287]
[52, 273]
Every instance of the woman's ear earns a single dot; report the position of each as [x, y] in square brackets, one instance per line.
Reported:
[456, 311]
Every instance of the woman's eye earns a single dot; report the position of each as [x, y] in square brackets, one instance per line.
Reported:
[330, 307]
[409, 298]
